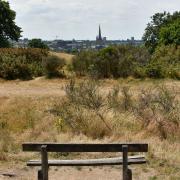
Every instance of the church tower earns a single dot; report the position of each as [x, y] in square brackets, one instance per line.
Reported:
[99, 37]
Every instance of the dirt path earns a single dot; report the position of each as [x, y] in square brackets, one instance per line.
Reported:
[43, 87]
[36, 87]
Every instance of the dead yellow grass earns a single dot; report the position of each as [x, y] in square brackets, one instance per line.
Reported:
[67, 57]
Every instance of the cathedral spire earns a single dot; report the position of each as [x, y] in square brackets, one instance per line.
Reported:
[100, 36]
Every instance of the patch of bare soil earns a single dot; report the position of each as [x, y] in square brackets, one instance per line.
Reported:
[77, 173]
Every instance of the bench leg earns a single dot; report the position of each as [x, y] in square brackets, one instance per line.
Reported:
[44, 161]
[127, 173]
[40, 177]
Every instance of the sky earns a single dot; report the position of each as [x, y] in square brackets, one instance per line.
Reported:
[79, 19]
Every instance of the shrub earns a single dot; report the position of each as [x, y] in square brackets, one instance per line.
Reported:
[84, 109]
[114, 61]
[88, 110]
[157, 108]
[83, 62]
[156, 70]
[120, 99]
[53, 66]
[165, 62]
[124, 61]
[21, 63]
[13, 69]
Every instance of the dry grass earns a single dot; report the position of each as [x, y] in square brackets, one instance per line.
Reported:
[67, 57]
[26, 116]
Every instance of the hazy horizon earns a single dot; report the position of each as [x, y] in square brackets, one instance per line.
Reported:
[68, 19]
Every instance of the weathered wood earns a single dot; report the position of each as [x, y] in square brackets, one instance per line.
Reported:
[8, 174]
[44, 148]
[55, 147]
[90, 162]
[125, 162]
[40, 176]
[44, 162]
[129, 174]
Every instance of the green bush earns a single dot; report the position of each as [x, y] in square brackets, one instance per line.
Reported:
[21, 63]
[83, 62]
[14, 69]
[53, 66]
[165, 62]
[124, 61]
[156, 70]
[114, 61]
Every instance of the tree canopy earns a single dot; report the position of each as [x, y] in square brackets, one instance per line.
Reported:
[37, 43]
[161, 24]
[170, 34]
[8, 28]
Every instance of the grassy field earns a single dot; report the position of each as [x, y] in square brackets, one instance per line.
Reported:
[26, 107]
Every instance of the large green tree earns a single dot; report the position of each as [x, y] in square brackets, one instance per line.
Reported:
[8, 28]
[151, 36]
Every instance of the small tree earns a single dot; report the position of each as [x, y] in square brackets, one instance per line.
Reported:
[37, 43]
[8, 28]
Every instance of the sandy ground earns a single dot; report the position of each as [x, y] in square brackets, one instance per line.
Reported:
[36, 87]
[43, 87]
[77, 173]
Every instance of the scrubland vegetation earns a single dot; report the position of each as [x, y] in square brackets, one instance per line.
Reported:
[119, 93]
[28, 63]
[125, 61]
[112, 62]
[112, 95]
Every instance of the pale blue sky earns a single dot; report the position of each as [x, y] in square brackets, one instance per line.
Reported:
[79, 19]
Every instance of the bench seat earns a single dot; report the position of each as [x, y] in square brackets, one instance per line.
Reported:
[90, 162]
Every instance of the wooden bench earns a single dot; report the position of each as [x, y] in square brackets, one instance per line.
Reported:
[44, 148]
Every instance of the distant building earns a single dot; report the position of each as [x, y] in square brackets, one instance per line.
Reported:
[99, 37]
[100, 41]
[78, 45]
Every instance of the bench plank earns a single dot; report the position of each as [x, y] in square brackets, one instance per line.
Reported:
[90, 162]
[56, 147]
